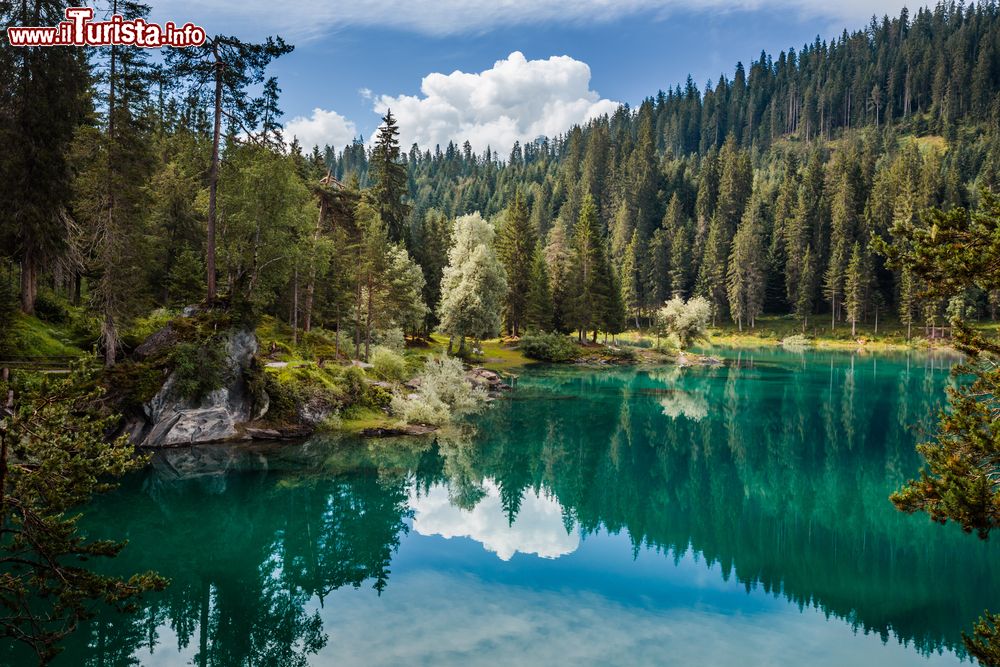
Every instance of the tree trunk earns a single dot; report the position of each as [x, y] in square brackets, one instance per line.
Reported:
[336, 340]
[109, 335]
[295, 307]
[311, 286]
[29, 283]
[368, 320]
[213, 176]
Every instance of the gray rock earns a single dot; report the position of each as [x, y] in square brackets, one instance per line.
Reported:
[174, 420]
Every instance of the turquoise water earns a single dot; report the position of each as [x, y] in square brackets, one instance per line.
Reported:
[710, 516]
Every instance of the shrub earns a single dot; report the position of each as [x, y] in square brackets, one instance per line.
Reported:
[796, 341]
[198, 368]
[549, 347]
[621, 354]
[443, 392]
[387, 365]
[354, 384]
[377, 397]
[393, 339]
[685, 322]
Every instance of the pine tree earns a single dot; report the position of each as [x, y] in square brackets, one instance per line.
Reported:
[907, 299]
[538, 316]
[747, 264]
[113, 166]
[389, 179]
[559, 260]
[806, 298]
[233, 66]
[681, 249]
[42, 104]
[516, 247]
[854, 290]
[591, 279]
[630, 280]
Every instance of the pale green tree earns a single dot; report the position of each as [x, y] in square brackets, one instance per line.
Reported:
[473, 285]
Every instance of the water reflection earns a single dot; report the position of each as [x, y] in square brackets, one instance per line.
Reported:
[768, 476]
[537, 528]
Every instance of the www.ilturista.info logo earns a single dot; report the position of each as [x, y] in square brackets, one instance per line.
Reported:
[79, 30]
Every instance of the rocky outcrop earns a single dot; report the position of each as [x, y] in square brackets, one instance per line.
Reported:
[486, 379]
[169, 419]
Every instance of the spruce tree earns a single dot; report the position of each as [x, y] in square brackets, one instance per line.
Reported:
[806, 297]
[389, 180]
[516, 246]
[232, 66]
[747, 264]
[629, 279]
[42, 102]
[538, 316]
[854, 288]
[591, 279]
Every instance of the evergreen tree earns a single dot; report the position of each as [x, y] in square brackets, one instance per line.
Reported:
[806, 298]
[559, 260]
[680, 260]
[854, 291]
[538, 316]
[590, 273]
[233, 66]
[41, 103]
[389, 180]
[630, 280]
[516, 246]
[54, 457]
[747, 264]
[114, 165]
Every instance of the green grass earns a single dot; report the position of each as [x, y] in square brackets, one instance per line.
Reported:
[35, 338]
[357, 418]
[498, 354]
[772, 329]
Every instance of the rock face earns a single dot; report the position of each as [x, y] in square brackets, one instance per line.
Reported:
[490, 381]
[170, 419]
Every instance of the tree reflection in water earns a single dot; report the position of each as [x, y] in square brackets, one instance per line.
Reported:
[775, 468]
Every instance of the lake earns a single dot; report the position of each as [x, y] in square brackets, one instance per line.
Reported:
[735, 515]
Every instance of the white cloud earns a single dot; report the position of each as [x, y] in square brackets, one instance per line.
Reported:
[311, 18]
[538, 528]
[438, 617]
[321, 129]
[516, 99]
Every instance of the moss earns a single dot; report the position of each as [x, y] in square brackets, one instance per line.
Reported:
[35, 338]
[357, 418]
[292, 386]
[133, 383]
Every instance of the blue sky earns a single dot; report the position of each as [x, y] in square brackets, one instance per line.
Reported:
[352, 60]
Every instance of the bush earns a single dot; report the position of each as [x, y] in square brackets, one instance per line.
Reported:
[354, 384]
[685, 322]
[796, 341]
[549, 347]
[387, 365]
[377, 397]
[198, 368]
[393, 339]
[443, 392]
